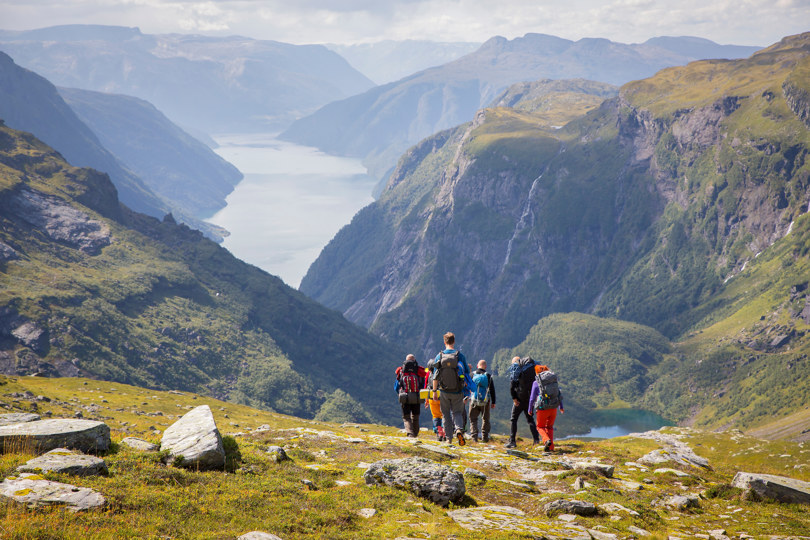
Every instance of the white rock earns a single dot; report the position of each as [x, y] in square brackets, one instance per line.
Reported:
[367, 512]
[62, 460]
[196, 438]
[258, 535]
[44, 435]
[139, 444]
[33, 490]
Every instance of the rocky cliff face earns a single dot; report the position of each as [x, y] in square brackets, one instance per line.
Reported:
[640, 209]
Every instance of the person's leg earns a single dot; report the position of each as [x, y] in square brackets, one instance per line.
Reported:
[541, 418]
[532, 427]
[406, 418]
[457, 401]
[516, 410]
[552, 417]
[485, 419]
[474, 412]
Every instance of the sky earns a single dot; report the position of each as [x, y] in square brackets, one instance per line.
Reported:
[741, 22]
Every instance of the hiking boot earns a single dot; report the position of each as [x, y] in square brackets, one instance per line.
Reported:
[547, 446]
[475, 438]
[535, 442]
[510, 444]
[460, 436]
[486, 438]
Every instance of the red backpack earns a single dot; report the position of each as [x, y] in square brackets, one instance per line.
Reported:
[409, 383]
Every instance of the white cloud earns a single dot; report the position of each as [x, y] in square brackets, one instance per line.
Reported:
[758, 22]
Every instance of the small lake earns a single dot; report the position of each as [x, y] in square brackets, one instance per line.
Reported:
[291, 203]
[609, 423]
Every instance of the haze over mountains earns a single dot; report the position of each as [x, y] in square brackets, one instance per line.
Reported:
[213, 85]
[380, 124]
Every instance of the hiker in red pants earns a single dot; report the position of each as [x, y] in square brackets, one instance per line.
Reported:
[544, 400]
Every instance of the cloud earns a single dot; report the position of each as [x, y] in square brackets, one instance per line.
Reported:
[759, 22]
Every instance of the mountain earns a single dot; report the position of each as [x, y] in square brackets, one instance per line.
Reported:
[649, 208]
[381, 123]
[215, 85]
[88, 287]
[387, 61]
[31, 103]
[172, 163]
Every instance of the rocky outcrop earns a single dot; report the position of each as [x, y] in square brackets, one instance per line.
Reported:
[422, 477]
[798, 99]
[44, 435]
[194, 441]
[7, 253]
[769, 486]
[139, 444]
[62, 460]
[674, 450]
[17, 418]
[31, 335]
[570, 506]
[33, 490]
[59, 221]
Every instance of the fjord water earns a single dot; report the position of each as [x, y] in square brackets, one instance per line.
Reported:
[291, 202]
[609, 423]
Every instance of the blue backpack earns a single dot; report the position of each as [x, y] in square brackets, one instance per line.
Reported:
[481, 393]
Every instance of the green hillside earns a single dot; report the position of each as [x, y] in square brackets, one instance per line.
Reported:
[653, 208]
[90, 288]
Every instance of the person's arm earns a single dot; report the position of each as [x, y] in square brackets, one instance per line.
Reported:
[534, 395]
[513, 389]
[562, 408]
[491, 390]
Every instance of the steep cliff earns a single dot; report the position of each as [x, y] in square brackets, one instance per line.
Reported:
[640, 209]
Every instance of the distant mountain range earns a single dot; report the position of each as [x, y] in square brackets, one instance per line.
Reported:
[213, 85]
[381, 123]
[680, 204]
[155, 166]
[388, 61]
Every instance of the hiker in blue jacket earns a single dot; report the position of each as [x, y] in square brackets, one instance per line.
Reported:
[453, 379]
[483, 399]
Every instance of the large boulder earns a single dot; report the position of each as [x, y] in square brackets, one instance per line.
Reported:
[18, 418]
[423, 477]
[33, 490]
[62, 460]
[570, 506]
[43, 435]
[769, 486]
[196, 439]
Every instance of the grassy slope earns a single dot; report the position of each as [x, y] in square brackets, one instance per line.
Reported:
[147, 499]
[165, 308]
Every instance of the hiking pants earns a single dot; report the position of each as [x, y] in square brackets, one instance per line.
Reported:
[410, 416]
[452, 411]
[516, 410]
[483, 411]
[545, 425]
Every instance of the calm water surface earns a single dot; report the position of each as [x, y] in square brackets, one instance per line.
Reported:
[619, 422]
[290, 204]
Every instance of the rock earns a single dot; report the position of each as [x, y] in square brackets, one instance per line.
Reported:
[33, 490]
[60, 221]
[43, 435]
[501, 519]
[196, 438]
[601, 468]
[769, 486]
[521, 454]
[568, 518]
[367, 512]
[310, 484]
[579, 484]
[630, 485]
[599, 535]
[140, 444]
[31, 335]
[258, 535]
[277, 454]
[674, 450]
[638, 531]
[7, 253]
[475, 474]
[681, 502]
[615, 508]
[676, 472]
[570, 506]
[62, 460]
[17, 418]
[423, 477]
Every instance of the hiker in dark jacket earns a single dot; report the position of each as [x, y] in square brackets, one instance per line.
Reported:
[483, 399]
[520, 391]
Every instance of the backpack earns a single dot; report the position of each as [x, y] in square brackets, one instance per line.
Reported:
[549, 397]
[522, 373]
[481, 393]
[409, 383]
[448, 376]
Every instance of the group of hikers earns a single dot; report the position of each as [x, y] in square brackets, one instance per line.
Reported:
[455, 395]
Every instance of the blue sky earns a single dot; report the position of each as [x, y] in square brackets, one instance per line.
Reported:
[744, 22]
